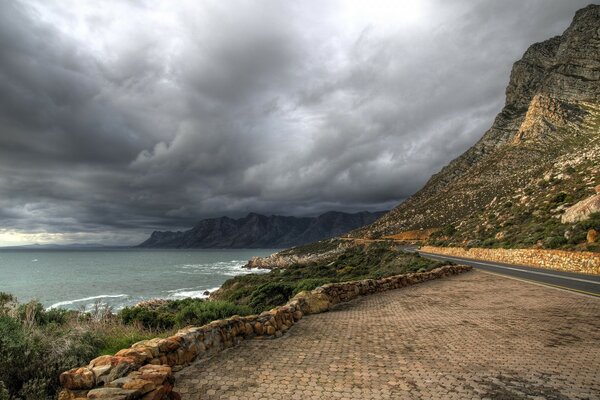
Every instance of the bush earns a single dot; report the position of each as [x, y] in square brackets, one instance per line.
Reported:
[201, 313]
[31, 359]
[555, 242]
[310, 284]
[270, 295]
[149, 319]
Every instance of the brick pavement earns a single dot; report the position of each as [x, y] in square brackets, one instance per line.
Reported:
[471, 336]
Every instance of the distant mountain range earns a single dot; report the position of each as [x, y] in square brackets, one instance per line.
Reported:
[260, 231]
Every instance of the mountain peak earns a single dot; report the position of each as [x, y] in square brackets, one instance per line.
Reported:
[544, 142]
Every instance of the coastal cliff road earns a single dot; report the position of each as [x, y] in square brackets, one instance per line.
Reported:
[470, 336]
[582, 283]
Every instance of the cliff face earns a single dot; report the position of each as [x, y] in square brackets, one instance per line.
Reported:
[544, 142]
[259, 231]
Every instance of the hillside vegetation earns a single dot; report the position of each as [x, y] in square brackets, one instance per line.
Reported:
[540, 157]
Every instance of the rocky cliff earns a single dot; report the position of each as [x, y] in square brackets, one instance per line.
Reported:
[260, 231]
[540, 157]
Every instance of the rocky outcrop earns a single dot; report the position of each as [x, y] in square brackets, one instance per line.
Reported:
[550, 125]
[283, 260]
[260, 231]
[582, 262]
[581, 210]
[144, 371]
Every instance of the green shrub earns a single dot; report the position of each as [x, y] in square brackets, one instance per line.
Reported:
[555, 242]
[310, 284]
[4, 395]
[559, 198]
[201, 313]
[149, 319]
[6, 302]
[270, 295]
[115, 342]
[31, 359]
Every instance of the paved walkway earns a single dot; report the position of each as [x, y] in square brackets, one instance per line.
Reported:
[471, 336]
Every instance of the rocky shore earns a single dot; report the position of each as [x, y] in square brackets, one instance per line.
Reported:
[144, 371]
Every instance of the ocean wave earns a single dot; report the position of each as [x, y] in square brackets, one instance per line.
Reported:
[194, 293]
[227, 268]
[70, 302]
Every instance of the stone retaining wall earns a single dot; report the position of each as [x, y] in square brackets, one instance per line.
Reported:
[571, 261]
[144, 371]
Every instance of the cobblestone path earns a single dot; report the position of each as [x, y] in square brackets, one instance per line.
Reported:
[471, 336]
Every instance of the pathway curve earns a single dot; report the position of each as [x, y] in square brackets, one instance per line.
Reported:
[475, 335]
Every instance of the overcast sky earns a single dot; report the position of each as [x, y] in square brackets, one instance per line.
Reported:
[121, 117]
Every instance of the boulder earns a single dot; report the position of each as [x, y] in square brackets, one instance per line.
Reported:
[133, 382]
[582, 210]
[66, 394]
[112, 394]
[77, 379]
[592, 236]
[315, 302]
[157, 374]
[139, 354]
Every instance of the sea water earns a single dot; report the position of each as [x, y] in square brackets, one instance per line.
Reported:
[79, 279]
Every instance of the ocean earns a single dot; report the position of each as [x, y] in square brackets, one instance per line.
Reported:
[78, 279]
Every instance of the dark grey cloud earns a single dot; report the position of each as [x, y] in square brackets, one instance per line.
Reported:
[121, 117]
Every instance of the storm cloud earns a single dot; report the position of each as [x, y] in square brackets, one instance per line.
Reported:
[120, 117]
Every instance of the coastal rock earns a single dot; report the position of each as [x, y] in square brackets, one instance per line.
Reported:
[77, 379]
[142, 386]
[66, 394]
[582, 210]
[314, 302]
[112, 393]
[158, 374]
[139, 354]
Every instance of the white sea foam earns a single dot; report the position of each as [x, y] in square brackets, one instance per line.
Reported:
[186, 292]
[69, 302]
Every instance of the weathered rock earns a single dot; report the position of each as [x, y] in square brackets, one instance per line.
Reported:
[110, 360]
[66, 394]
[112, 393]
[159, 393]
[169, 344]
[139, 354]
[582, 210]
[157, 374]
[592, 236]
[314, 302]
[133, 382]
[77, 379]
[117, 371]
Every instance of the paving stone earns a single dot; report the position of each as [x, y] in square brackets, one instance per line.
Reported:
[474, 335]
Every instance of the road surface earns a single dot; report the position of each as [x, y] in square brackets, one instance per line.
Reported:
[587, 284]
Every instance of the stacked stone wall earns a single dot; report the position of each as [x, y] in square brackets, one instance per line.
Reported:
[145, 370]
[571, 261]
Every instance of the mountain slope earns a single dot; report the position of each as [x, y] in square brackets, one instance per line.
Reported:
[259, 231]
[540, 157]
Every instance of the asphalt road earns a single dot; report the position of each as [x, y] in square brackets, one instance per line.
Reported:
[587, 284]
